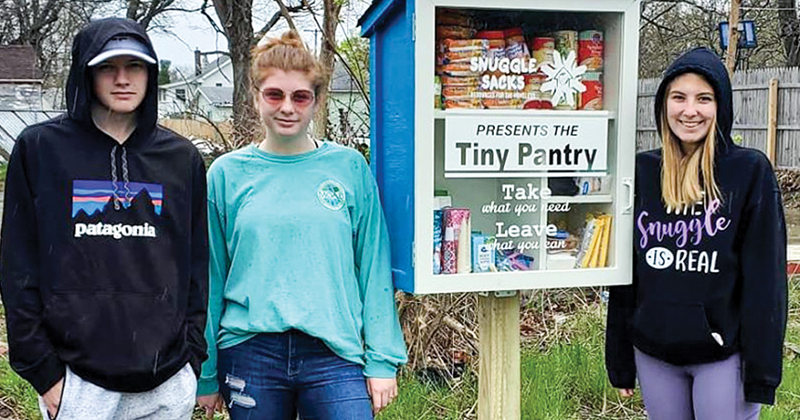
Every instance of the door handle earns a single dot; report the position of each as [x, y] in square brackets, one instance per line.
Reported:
[628, 182]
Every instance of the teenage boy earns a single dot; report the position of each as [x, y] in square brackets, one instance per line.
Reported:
[104, 252]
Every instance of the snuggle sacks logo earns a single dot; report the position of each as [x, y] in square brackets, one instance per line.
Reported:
[115, 210]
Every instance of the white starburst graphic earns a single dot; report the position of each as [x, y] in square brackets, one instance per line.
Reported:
[563, 79]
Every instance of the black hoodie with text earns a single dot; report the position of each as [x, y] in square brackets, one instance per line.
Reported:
[104, 252]
[710, 280]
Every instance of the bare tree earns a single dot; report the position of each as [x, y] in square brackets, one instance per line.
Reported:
[327, 56]
[144, 11]
[148, 12]
[669, 27]
[236, 24]
[236, 18]
[33, 23]
[790, 30]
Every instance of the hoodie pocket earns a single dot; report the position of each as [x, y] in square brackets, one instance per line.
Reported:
[678, 332]
[115, 334]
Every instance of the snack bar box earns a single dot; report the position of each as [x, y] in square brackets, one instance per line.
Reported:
[503, 140]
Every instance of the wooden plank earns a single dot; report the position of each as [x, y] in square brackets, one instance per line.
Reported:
[733, 37]
[499, 369]
[772, 120]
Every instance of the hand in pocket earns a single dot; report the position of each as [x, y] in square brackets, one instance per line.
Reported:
[52, 398]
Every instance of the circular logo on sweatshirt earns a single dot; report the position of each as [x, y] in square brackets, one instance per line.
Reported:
[659, 257]
[331, 194]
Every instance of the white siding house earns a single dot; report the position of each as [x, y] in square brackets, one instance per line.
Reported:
[211, 94]
[203, 94]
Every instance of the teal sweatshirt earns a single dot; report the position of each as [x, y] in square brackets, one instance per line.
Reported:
[300, 242]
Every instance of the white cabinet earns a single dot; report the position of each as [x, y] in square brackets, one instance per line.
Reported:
[512, 168]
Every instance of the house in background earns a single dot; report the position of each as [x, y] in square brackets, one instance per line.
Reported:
[20, 95]
[210, 93]
[348, 112]
[20, 78]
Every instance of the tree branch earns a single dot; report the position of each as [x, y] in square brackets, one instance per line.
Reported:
[286, 15]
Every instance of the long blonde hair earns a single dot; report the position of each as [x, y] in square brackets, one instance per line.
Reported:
[686, 179]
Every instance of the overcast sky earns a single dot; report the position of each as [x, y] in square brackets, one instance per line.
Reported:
[192, 30]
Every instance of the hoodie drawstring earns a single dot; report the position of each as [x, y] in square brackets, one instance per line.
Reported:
[114, 180]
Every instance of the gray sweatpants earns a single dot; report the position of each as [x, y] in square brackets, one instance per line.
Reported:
[708, 391]
[83, 400]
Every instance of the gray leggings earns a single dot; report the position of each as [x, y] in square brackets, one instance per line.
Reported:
[708, 391]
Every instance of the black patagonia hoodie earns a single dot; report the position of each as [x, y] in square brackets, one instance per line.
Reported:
[104, 253]
[710, 281]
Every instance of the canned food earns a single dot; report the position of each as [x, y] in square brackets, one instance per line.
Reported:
[543, 48]
[590, 50]
[566, 41]
[592, 97]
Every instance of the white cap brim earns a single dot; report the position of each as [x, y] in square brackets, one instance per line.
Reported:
[103, 56]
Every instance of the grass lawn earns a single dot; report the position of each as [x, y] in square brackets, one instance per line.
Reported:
[562, 379]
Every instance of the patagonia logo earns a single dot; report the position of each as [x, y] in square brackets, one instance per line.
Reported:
[115, 209]
[94, 198]
[117, 231]
[331, 194]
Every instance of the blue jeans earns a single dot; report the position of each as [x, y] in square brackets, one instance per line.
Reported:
[274, 376]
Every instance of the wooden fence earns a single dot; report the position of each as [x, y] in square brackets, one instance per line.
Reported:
[196, 129]
[766, 105]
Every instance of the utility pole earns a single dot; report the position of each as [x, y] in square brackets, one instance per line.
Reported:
[733, 37]
[316, 36]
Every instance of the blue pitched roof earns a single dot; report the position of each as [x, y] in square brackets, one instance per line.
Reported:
[375, 14]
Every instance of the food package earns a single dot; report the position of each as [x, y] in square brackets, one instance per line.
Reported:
[456, 229]
[592, 97]
[459, 92]
[590, 50]
[462, 103]
[464, 44]
[460, 81]
[483, 253]
[454, 32]
[543, 48]
[437, 241]
[437, 92]
[515, 44]
[458, 69]
[566, 42]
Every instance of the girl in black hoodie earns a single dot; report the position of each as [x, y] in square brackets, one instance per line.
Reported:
[703, 323]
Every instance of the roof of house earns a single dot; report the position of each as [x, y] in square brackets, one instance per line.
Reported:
[13, 122]
[210, 68]
[341, 80]
[213, 66]
[19, 63]
[218, 96]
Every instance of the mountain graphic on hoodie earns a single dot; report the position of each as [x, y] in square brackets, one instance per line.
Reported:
[138, 209]
[92, 197]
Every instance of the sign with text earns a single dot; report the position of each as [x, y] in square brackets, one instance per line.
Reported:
[525, 146]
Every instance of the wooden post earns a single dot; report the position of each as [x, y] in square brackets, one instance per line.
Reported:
[499, 371]
[772, 120]
[733, 37]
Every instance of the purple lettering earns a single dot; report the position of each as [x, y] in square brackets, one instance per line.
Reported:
[642, 229]
[696, 226]
[683, 230]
